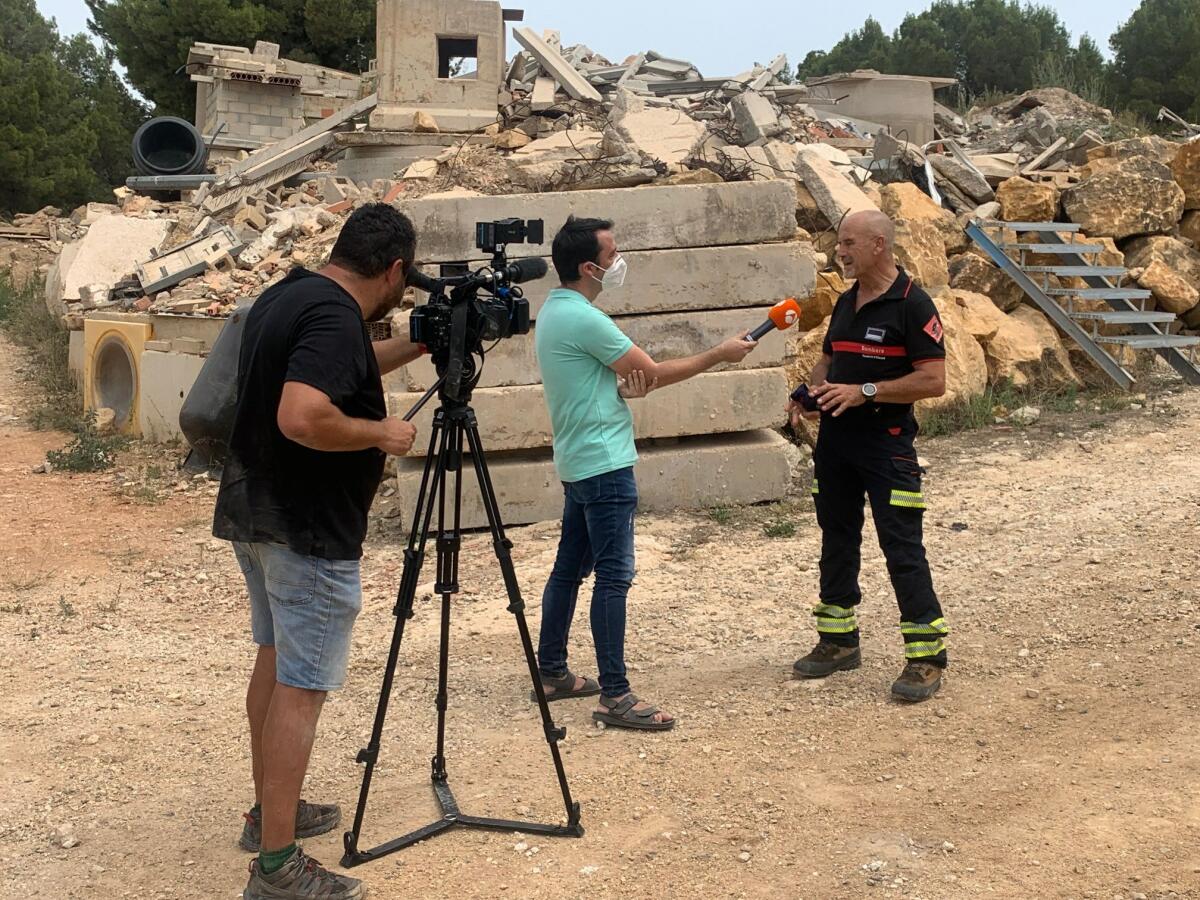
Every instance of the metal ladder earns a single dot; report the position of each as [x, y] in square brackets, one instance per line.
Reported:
[1128, 305]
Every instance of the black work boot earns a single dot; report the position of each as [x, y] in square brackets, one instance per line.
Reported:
[919, 681]
[825, 659]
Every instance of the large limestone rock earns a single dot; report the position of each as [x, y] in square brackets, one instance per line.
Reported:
[816, 309]
[1137, 197]
[1022, 200]
[1151, 147]
[1174, 253]
[1027, 351]
[1172, 292]
[1189, 226]
[971, 272]
[1186, 169]
[966, 368]
[922, 253]
[920, 246]
[906, 202]
[980, 316]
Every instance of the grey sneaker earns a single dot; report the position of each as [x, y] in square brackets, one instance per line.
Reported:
[311, 819]
[301, 878]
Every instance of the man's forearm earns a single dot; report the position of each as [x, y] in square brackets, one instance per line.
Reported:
[919, 385]
[820, 372]
[395, 352]
[674, 371]
[335, 432]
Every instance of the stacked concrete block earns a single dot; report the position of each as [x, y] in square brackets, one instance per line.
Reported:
[705, 263]
[263, 112]
[261, 98]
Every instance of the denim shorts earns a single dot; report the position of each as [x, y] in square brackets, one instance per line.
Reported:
[305, 608]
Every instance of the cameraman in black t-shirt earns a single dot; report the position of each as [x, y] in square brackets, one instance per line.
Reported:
[305, 459]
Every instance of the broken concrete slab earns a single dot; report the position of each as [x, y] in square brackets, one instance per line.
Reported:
[421, 170]
[540, 164]
[542, 98]
[108, 253]
[553, 62]
[664, 134]
[90, 213]
[692, 473]
[664, 337]
[661, 218]
[159, 273]
[712, 403]
[834, 193]
[963, 177]
[755, 117]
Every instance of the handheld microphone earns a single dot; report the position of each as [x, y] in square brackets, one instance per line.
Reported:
[783, 315]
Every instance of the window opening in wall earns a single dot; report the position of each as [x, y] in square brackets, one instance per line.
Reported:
[458, 57]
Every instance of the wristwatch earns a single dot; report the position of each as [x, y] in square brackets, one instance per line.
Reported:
[870, 390]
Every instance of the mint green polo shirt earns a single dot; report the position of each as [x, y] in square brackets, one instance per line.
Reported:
[593, 427]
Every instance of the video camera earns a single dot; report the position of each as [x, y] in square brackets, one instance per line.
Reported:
[456, 321]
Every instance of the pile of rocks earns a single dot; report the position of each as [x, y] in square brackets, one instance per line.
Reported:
[654, 121]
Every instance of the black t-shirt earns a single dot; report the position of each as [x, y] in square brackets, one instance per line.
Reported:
[308, 329]
[883, 341]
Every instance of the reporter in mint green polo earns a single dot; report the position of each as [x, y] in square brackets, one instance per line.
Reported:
[589, 371]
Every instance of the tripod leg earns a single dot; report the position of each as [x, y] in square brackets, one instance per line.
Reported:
[448, 546]
[414, 558]
[516, 605]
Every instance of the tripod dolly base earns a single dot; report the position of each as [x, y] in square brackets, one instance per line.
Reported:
[452, 818]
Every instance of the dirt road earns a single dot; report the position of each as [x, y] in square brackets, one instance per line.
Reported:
[1058, 761]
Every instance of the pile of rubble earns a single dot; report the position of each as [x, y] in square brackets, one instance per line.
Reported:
[571, 120]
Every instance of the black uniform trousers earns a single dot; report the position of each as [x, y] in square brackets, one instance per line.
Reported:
[852, 461]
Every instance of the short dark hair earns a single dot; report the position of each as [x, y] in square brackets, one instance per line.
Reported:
[575, 244]
[374, 237]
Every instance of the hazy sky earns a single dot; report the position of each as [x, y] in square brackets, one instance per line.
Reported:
[720, 38]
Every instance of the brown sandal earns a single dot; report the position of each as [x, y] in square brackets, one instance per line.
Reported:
[621, 714]
[563, 688]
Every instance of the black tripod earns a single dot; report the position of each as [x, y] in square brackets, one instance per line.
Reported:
[453, 421]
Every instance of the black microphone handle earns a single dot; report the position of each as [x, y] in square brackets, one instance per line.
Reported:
[762, 330]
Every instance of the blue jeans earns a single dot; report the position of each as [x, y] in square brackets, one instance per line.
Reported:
[305, 608]
[597, 535]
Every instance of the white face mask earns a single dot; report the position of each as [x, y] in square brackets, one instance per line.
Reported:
[614, 275]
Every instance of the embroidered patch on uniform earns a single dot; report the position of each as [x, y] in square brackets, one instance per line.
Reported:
[934, 329]
[876, 334]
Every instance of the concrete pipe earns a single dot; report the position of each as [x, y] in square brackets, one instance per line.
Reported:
[169, 146]
[115, 379]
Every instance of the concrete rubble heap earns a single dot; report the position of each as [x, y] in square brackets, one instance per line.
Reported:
[653, 143]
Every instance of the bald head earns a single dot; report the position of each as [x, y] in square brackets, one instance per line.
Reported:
[869, 224]
[865, 246]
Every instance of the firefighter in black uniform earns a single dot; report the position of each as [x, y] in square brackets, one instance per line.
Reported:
[884, 351]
